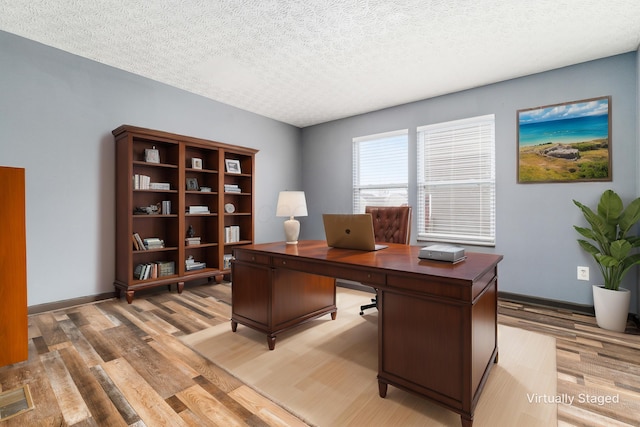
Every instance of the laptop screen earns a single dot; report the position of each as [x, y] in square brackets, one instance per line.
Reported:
[350, 231]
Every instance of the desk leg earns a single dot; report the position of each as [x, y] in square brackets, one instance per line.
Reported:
[234, 326]
[466, 421]
[271, 341]
[382, 389]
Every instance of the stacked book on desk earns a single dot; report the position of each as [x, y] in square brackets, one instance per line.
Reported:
[198, 210]
[232, 188]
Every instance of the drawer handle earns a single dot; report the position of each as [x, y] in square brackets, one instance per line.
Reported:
[253, 258]
[368, 275]
[284, 262]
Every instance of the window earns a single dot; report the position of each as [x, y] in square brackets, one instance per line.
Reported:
[380, 164]
[456, 181]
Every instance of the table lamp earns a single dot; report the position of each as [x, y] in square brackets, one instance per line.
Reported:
[291, 204]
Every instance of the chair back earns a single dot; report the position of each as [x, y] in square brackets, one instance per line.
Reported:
[391, 223]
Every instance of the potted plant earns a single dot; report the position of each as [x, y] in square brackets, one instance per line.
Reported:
[614, 250]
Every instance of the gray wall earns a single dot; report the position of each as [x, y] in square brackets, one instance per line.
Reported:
[57, 111]
[534, 221]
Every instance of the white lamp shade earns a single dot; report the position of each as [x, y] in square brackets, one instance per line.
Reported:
[291, 203]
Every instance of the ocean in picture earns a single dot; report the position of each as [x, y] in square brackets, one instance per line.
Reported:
[565, 131]
[568, 123]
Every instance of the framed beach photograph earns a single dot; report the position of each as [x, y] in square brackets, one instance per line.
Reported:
[566, 142]
[233, 166]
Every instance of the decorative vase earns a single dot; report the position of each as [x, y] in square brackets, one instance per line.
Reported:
[612, 307]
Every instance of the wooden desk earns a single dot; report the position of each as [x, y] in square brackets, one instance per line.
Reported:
[437, 322]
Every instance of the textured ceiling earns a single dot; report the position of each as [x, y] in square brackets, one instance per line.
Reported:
[305, 62]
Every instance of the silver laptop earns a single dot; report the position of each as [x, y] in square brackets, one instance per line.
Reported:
[350, 231]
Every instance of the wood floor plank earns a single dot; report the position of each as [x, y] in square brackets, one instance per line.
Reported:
[116, 355]
[209, 410]
[128, 414]
[270, 413]
[84, 347]
[151, 407]
[71, 402]
[50, 330]
[100, 406]
[149, 364]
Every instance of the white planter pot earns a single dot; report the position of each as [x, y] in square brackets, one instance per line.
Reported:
[612, 307]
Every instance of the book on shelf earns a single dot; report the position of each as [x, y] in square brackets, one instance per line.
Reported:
[153, 270]
[153, 243]
[159, 186]
[138, 244]
[191, 264]
[232, 188]
[232, 234]
[191, 241]
[166, 207]
[166, 268]
[141, 182]
[198, 210]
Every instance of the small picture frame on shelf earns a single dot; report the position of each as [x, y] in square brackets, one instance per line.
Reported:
[192, 184]
[233, 166]
[152, 155]
[196, 163]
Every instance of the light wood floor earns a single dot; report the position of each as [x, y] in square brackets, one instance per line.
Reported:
[114, 364]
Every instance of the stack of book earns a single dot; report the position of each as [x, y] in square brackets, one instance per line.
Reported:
[166, 268]
[159, 186]
[141, 182]
[232, 188]
[153, 243]
[198, 210]
[166, 207]
[152, 270]
[191, 264]
[191, 241]
[232, 234]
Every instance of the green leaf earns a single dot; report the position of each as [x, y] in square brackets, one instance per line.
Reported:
[629, 217]
[610, 207]
[607, 261]
[589, 247]
[620, 249]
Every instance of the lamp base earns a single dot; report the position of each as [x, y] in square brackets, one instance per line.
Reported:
[291, 231]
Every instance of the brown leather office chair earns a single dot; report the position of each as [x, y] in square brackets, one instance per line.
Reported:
[391, 224]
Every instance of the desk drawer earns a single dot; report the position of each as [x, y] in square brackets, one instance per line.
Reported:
[252, 257]
[331, 270]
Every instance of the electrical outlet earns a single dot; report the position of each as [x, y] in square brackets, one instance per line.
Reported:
[583, 273]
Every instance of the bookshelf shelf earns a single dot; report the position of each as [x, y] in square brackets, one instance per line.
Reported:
[146, 191]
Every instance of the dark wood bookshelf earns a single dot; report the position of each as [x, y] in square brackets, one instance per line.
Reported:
[186, 178]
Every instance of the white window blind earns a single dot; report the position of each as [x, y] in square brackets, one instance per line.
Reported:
[456, 181]
[380, 170]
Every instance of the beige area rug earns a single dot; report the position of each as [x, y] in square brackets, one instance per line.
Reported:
[325, 373]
